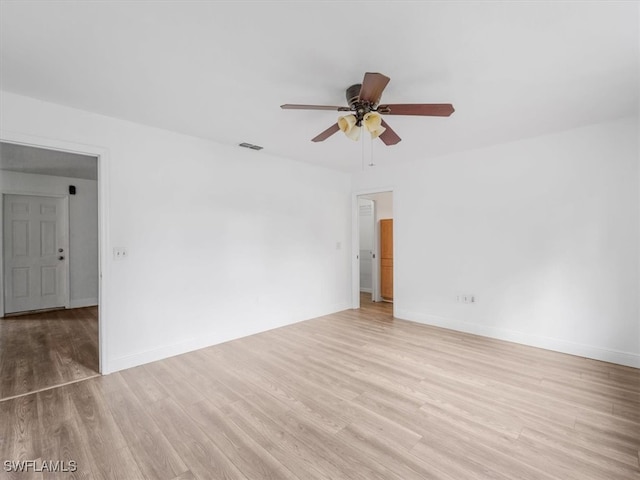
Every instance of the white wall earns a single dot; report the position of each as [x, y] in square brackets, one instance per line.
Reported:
[83, 227]
[222, 241]
[544, 231]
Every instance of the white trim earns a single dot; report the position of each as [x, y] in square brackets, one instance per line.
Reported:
[355, 252]
[84, 302]
[102, 154]
[67, 264]
[563, 346]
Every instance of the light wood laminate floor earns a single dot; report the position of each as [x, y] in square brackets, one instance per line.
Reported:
[355, 395]
[45, 349]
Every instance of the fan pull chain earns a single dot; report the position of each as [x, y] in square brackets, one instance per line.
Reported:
[370, 164]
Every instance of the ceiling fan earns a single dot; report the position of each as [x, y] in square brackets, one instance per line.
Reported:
[366, 111]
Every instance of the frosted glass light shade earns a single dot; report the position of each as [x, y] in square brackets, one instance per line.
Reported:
[347, 125]
[372, 121]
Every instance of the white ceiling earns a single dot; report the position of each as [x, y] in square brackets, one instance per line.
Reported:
[220, 70]
[26, 159]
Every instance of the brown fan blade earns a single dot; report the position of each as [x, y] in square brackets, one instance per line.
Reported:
[426, 109]
[389, 137]
[327, 133]
[289, 106]
[372, 86]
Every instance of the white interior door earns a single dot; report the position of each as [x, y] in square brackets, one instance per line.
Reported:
[35, 253]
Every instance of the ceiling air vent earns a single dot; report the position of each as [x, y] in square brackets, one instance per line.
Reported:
[251, 146]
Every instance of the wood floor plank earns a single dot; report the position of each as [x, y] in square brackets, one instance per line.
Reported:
[527, 404]
[345, 457]
[379, 449]
[110, 455]
[593, 458]
[203, 457]
[62, 440]
[155, 456]
[143, 385]
[392, 432]
[467, 460]
[175, 386]
[480, 452]
[66, 444]
[188, 475]
[296, 435]
[325, 379]
[323, 409]
[627, 412]
[20, 430]
[246, 454]
[55, 406]
[266, 433]
[604, 425]
[565, 466]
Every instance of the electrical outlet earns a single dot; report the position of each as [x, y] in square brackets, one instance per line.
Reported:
[119, 253]
[466, 298]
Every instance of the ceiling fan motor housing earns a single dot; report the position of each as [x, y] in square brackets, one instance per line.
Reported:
[353, 94]
[359, 108]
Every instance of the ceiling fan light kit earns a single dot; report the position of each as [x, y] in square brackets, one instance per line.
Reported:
[373, 122]
[350, 125]
[364, 103]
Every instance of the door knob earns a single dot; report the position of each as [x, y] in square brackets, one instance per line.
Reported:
[60, 257]
[61, 250]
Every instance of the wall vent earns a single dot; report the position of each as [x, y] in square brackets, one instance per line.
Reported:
[251, 146]
[366, 210]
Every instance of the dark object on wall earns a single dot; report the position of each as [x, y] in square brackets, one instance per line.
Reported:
[72, 189]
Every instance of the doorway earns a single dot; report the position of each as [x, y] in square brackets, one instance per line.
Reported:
[372, 213]
[50, 285]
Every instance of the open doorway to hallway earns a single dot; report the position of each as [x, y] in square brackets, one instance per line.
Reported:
[50, 278]
[374, 239]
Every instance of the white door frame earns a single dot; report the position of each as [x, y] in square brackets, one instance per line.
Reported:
[102, 155]
[67, 223]
[355, 243]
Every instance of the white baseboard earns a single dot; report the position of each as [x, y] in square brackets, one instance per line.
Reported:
[202, 341]
[83, 302]
[365, 290]
[589, 351]
[152, 355]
